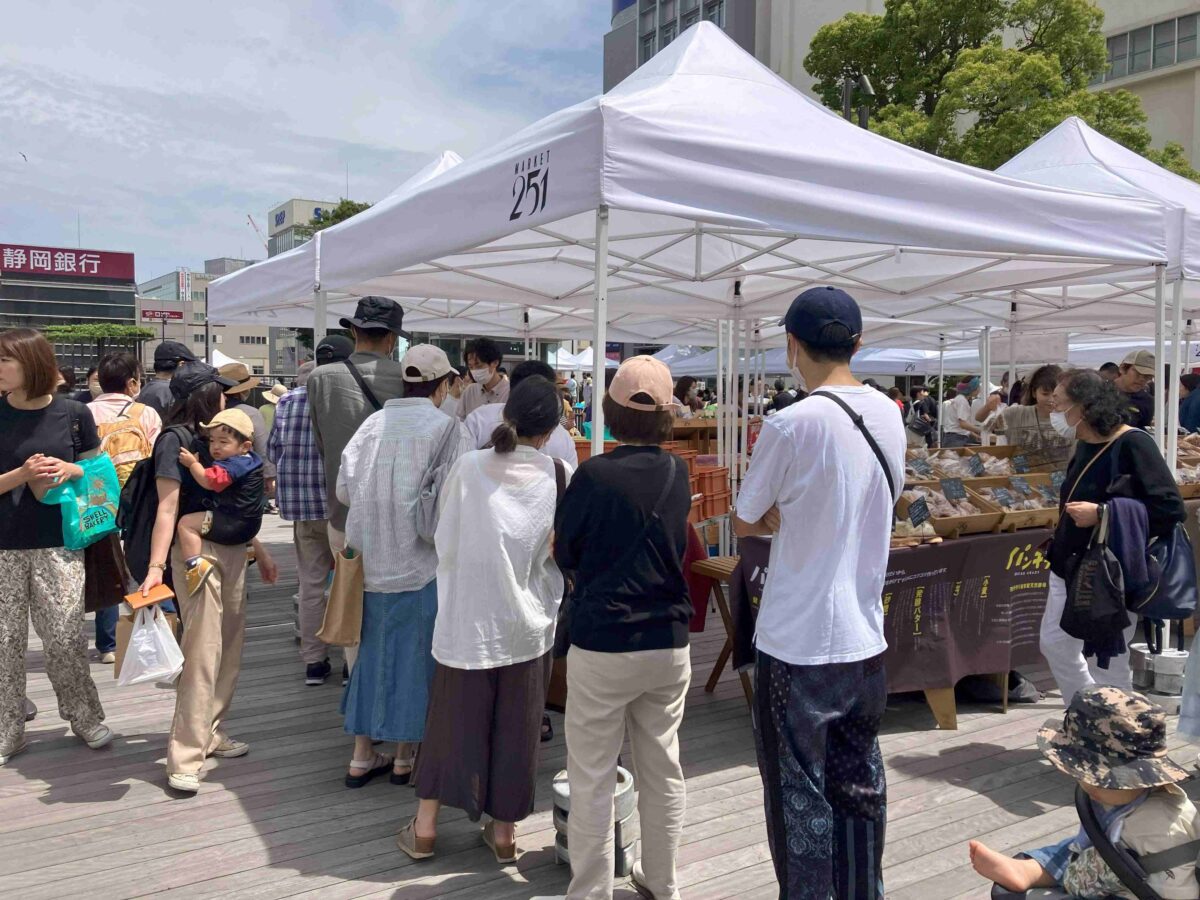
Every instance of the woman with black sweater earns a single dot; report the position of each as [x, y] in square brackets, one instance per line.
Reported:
[622, 532]
[1110, 459]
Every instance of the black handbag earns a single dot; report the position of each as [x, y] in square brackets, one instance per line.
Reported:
[1095, 610]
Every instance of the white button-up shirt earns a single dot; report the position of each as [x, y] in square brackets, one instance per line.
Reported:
[483, 421]
[380, 480]
[498, 586]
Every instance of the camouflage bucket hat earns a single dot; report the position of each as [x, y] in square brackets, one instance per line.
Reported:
[1111, 738]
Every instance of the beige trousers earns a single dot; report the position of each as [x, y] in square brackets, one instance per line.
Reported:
[608, 693]
[314, 559]
[214, 627]
[337, 543]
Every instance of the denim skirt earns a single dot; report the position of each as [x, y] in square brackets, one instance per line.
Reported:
[388, 694]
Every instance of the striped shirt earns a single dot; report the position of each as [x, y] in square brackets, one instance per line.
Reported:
[300, 479]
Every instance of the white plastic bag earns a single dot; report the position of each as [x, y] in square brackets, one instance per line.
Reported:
[153, 653]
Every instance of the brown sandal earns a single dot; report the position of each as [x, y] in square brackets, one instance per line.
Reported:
[416, 847]
[504, 853]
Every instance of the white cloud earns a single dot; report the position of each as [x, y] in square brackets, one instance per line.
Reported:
[163, 124]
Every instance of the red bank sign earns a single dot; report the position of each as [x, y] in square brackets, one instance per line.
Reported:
[18, 259]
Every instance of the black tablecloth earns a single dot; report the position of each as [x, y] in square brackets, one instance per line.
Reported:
[970, 606]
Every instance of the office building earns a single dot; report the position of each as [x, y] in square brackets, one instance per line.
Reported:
[777, 32]
[175, 306]
[1152, 52]
[287, 223]
[41, 286]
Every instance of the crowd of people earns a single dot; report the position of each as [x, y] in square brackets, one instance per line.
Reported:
[487, 552]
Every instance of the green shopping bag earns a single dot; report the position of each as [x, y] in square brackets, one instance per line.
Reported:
[89, 504]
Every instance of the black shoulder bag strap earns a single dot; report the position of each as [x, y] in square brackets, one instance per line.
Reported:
[862, 426]
[363, 386]
[560, 481]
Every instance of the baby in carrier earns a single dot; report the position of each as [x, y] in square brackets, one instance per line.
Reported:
[1114, 744]
[236, 478]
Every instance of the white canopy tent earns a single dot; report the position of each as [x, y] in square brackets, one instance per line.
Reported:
[1076, 156]
[704, 187]
[587, 360]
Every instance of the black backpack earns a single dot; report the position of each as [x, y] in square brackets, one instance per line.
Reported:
[139, 507]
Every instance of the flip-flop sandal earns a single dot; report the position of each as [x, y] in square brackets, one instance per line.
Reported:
[374, 769]
[402, 778]
[416, 847]
[505, 854]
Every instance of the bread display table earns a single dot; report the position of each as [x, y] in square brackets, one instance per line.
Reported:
[971, 606]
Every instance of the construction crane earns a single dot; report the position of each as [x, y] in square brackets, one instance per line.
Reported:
[257, 230]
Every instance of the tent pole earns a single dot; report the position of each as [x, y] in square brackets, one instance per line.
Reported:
[1176, 372]
[1160, 326]
[720, 390]
[747, 388]
[941, 386]
[600, 326]
[986, 365]
[1187, 347]
[1012, 346]
[319, 320]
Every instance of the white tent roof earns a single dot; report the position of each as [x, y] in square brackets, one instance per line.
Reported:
[279, 290]
[1076, 156]
[717, 172]
[564, 359]
[586, 359]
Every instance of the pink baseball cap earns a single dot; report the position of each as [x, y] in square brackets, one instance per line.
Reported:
[643, 375]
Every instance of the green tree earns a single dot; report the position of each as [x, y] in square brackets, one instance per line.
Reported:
[101, 336]
[979, 80]
[340, 213]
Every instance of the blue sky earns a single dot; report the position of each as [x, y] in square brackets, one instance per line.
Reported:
[163, 124]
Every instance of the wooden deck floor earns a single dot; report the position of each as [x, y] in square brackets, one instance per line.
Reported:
[279, 823]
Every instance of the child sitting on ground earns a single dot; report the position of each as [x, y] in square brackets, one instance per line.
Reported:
[1114, 743]
[236, 478]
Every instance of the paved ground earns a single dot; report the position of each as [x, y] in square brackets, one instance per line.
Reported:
[279, 823]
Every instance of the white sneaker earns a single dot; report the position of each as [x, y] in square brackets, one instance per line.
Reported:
[188, 783]
[100, 736]
[8, 753]
[108, 658]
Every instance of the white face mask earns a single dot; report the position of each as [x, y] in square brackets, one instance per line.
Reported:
[482, 376]
[801, 384]
[94, 389]
[1058, 421]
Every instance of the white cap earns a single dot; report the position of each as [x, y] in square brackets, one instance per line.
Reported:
[425, 362]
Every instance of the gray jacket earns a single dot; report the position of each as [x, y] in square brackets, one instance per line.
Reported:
[338, 408]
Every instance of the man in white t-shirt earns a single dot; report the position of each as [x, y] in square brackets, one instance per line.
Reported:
[483, 421]
[823, 481]
[959, 427]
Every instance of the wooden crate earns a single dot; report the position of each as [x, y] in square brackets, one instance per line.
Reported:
[583, 448]
[987, 522]
[1189, 490]
[1015, 519]
[713, 478]
[717, 503]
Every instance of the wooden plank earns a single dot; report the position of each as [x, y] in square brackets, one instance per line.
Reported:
[279, 822]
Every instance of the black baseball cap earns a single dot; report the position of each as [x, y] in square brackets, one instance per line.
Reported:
[193, 375]
[378, 314]
[334, 348]
[824, 317]
[173, 351]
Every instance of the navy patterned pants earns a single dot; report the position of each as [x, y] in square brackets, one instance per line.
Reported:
[816, 730]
